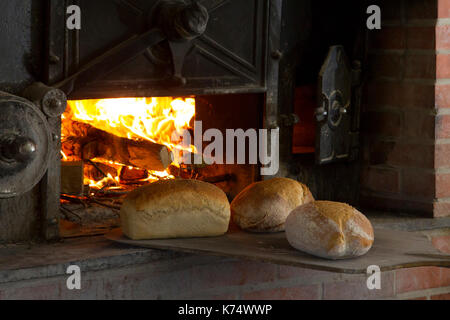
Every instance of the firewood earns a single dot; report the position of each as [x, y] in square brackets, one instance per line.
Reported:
[98, 171]
[72, 148]
[75, 129]
[141, 154]
[127, 174]
[96, 144]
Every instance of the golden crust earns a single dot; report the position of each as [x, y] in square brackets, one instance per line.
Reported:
[330, 230]
[263, 206]
[175, 208]
[162, 192]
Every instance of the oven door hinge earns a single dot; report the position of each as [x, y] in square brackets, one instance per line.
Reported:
[357, 84]
[338, 108]
[356, 73]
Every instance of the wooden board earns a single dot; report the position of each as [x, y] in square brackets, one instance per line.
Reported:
[72, 177]
[391, 250]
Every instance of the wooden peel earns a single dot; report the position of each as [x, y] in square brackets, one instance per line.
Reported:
[392, 249]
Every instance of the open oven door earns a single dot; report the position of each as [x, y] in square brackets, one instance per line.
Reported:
[158, 48]
[337, 112]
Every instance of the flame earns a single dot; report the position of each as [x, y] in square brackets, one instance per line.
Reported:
[154, 119]
[100, 184]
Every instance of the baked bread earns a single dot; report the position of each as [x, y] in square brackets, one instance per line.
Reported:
[175, 209]
[264, 206]
[330, 230]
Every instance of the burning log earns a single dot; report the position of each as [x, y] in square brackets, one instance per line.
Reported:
[131, 175]
[97, 171]
[72, 147]
[95, 144]
[141, 154]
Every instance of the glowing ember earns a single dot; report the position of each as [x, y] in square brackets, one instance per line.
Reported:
[152, 119]
[64, 156]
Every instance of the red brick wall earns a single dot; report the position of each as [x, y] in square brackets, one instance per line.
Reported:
[205, 277]
[406, 118]
[216, 278]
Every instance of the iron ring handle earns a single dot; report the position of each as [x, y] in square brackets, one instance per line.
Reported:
[16, 148]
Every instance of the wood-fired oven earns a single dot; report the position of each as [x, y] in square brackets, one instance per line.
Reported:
[98, 98]
[87, 113]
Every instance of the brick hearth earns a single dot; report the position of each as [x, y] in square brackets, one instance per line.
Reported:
[113, 271]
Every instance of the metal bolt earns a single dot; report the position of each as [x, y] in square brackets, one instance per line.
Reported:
[272, 125]
[55, 104]
[18, 148]
[356, 64]
[320, 114]
[53, 59]
[27, 148]
[277, 55]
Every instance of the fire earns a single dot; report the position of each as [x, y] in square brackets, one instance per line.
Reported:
[154, 119]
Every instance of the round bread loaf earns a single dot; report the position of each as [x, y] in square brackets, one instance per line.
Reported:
[264, 206]
[175, 209]
[330, 230]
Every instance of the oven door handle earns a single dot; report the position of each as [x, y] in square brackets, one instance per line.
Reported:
[111, 60]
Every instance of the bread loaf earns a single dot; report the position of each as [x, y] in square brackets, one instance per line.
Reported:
[175, 209]
[264, 206]
[330, 230]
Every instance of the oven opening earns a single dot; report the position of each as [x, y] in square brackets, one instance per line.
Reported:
[110, 147]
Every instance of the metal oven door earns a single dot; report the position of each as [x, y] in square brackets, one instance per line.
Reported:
[158, 48]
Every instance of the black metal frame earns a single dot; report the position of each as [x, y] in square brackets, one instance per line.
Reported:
[238, 75]
[271, 73]
[63, 55]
